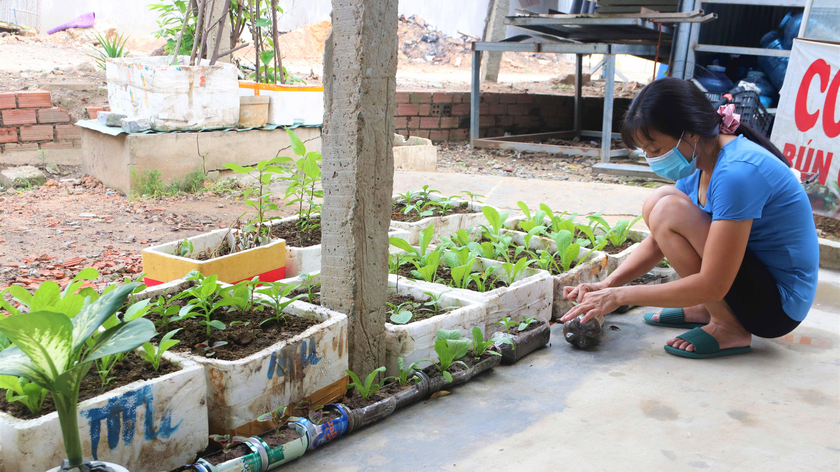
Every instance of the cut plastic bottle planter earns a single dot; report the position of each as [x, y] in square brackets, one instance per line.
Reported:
[147, 426]
[174, 97]
[240, 390]
[268, 261]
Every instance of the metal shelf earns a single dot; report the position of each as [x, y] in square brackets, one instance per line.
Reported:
[741, 50]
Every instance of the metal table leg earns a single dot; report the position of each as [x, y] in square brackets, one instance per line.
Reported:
[475, 95]
[609, 93]
[578, 92]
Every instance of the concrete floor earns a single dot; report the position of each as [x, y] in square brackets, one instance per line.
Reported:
[626, 405]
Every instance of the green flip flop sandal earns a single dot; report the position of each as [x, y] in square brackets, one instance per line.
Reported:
[705, 346]
[671, 318]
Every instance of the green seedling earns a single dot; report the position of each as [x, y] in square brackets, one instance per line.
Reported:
[209, 348]
[507, 323]
[400, 314]
[303, 181]
[474, 197]
[515, 271]
[277, 293]
[405, 375]
[206, 299]
[530, 222]
[450, 346]
[184, 248]
[616, 235]
[154, 354]
[226, 442]
[311, 286]
[168, 313]
[278, 417]
[314, 413]
[481, 347]
[20, 389]
[370, 385]
[525, 323]
[434, 303]
[445, 204]
[460, 262]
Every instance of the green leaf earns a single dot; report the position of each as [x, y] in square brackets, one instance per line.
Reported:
[93, 315]
[47, 295]
[137, 310]
[10, 382]
[297, 145]
[446, 334]
[44, 337]
[88, 273]
[525, 210]
[121, 338]
[264, 23]
[238, 168]
[399, 243]
[478, 336]
[493, 217]
[215, 324]
[402, 317]
[15, 363]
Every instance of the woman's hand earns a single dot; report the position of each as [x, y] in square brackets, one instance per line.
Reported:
[575, 294]
[593, 303]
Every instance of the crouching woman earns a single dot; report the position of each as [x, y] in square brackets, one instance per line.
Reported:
[737, 228]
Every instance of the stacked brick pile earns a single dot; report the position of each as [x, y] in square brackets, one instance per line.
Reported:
[29, 122]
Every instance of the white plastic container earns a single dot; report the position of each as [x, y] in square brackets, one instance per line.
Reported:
[174, 97]
[148, 426]
[290, 104]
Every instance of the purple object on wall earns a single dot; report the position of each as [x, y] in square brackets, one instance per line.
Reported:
[84, 21]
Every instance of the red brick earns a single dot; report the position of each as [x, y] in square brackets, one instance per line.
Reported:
[526, 98]
[19, 117]
[57, 145]
[429, 122]
[93, 111]
[495, 132]
[441, 97]
[506, 120]
[425, 110]
[495, 110]
[460, 110]
[402, 110]
[34, 99]
[21, 147]
[53, 115]
[8, 135]
[449, 122]
[420, 97]
[68, 132]
[77, 143]
[7, 100]
[517, 110]
[485, 121]
[458, 97]
[439, 135]
[522, 120]
[489, 98]
[413, 122]
[401, 122]
[509, 98]
[459, 134]
[423, 133]
[36, 133]
[402, 132]
[402, 97]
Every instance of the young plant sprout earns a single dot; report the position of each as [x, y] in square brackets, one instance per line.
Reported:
[210, 348]
[525, 323]
[277, 293]
[507, 323]
[226, 442]
[153, 354]
[474, 197]
[405, 375]
[617, 235]
[278, 416]
[314, 413]
[400, 314]
[481, 347]
[450, 346]
[20, 389]
[184, 248]
[370, 385]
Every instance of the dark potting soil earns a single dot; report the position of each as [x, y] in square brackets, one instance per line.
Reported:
[398, 215]
[220, 457]
[355, 401]
[514, 330]
[419, 315]
[289, 231]
[610, 249]
[829, 227]
[286, 435]
[242, 340]
[132, 369]
[222, 250]
[446, 278]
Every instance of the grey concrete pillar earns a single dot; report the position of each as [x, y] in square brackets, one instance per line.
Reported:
[494, 31]
[360, 65]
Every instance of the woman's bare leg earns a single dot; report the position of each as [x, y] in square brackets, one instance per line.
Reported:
[680, 229]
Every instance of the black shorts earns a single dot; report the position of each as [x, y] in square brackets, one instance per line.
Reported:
[754, 298]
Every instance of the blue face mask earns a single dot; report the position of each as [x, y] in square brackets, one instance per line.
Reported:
[673, 165]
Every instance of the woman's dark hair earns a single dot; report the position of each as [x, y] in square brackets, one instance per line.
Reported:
[672, 106]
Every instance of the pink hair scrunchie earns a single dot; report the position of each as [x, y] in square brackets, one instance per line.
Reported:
[730, 121]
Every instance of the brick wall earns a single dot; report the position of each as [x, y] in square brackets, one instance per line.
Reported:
[442, 116]
[29, 122]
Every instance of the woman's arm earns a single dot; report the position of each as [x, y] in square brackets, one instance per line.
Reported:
[722, 256]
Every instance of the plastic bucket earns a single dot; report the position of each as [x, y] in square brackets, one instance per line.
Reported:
[253, 111]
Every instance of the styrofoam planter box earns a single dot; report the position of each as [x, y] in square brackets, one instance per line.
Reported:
[617, 259]
[178, 97]
[239, 391]
[147, 426]
[269, 261]
[444, 225]
[416, 341]
[306, 260]
[290, 104]
[529, 296]
[593, 270]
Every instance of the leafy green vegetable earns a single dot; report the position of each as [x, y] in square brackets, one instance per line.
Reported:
[154, 355]
[450, 346]
[20, 389]
[481, 347]
[370, 385]
[277, 293]
[226, 441]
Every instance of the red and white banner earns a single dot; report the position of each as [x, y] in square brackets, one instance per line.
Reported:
[807, 126]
